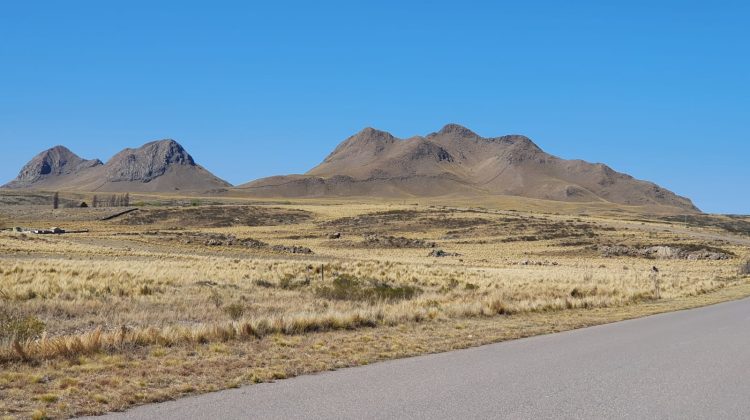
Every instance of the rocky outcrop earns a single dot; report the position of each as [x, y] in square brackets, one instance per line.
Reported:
[439, 253]
[387, 241]
[666, 252]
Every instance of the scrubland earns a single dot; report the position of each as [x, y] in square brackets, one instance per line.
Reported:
[173, 300]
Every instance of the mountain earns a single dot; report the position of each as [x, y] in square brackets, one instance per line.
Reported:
[458, 162]
[158, 166]
[51, 164]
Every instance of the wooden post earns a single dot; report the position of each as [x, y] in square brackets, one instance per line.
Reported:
[657, 282]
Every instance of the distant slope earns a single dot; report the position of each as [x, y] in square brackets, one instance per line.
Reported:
[456, 161]
[158, 166]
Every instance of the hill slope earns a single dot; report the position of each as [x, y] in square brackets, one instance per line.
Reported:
[158, 166]
[456, 161]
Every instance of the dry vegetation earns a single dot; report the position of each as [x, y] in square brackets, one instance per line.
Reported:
[173, 300]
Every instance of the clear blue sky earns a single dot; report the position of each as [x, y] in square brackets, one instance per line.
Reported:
[658, 89]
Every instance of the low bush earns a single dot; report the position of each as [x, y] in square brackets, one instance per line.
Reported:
[263, 283]
[745, 268]
[348, 287]
[289, 282]
[235, 310]
[19, 328]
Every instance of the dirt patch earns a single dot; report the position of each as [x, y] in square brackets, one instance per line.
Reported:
[377, 220]
[528, 229]
[733, 224]
[220, 239]
[203, 238]
[455, 222]
[404, 220]
[384, 241]
[216, 216]
[380, 241]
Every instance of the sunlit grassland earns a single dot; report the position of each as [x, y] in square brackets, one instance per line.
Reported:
[133, 296]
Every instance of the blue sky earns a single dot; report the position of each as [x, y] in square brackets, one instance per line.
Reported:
[658, 89]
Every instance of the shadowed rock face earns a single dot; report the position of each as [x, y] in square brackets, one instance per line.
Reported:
[458, 161]
[147, 162]
[158, 166]
[53, 162]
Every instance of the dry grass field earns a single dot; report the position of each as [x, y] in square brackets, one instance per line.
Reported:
[188, 295]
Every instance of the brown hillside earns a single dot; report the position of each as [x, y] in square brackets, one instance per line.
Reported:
[456, 161]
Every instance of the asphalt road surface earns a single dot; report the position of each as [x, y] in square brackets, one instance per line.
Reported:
[682, 365]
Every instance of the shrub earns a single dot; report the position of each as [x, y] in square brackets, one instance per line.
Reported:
[263, 283]
[745, 268]
[20, 328]
[235, 310]
[39, 415]
[215, 298]
[344, 287]
[348, 287]
[289, 282]
[452, 284]
[49, 398]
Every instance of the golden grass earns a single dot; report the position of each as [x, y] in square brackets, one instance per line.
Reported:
[154, 302]
[126, 299]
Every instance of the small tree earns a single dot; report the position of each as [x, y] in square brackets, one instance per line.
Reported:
[94, 201]
[126, 200]
[56, 200]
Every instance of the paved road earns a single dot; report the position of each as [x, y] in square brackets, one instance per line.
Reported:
[690, 364]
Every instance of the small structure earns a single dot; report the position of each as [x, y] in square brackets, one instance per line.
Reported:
[50, 231]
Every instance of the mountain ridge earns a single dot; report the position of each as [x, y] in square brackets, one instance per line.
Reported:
[453, 161]
[156, 166]
[457, 161]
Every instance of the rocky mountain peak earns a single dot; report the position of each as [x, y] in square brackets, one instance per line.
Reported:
[58, 160]
[147, 162]
[367, 142]
[458, 131]
[373, 134]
